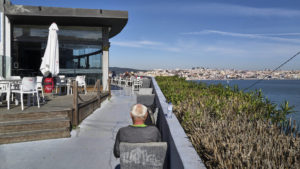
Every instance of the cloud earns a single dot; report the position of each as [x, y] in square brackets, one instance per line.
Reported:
[217, 9]
[136, 44]
[223, 50]
[236, 50]
[280, 34]
[187, 52]
[146, 45]
[231, 9]
[272, 37]
[195, 47]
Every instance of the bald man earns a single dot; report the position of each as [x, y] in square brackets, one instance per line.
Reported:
[138, 132]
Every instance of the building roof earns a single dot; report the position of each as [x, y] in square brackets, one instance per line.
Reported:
[40, 15]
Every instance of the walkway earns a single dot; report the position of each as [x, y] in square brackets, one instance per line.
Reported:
[90, 145]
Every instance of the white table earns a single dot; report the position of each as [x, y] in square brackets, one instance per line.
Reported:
[14, 84]
[5, 88]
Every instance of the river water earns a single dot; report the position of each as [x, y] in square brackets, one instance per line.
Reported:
[275, 90]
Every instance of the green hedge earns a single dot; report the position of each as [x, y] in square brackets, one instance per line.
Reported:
[229, 127]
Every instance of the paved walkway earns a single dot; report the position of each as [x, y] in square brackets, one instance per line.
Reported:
[90, 145]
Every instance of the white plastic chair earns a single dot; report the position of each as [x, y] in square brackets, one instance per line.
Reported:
[28, 86]
[69, 86]
[121, 80]
[115, 80]
[81, 82]
[14, 78]
[5, 88]
[39, 85]
[137, 84]
[129, 81]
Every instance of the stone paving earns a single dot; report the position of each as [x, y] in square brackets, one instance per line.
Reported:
[90, 145]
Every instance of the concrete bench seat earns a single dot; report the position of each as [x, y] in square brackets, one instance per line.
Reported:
[142, 155]
[148, 101]
[145, 91]
[145, 99]
[146, 83]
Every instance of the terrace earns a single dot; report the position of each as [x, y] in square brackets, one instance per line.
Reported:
[91, 143]
[54, 119]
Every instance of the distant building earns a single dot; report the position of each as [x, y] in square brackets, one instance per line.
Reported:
[83, 39]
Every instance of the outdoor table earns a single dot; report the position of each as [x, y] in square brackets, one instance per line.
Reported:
[3, 84]
[14, 85]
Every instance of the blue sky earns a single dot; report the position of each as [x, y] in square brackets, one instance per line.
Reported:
[248, 34]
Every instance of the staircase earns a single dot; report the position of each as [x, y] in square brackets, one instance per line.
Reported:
[21, 127]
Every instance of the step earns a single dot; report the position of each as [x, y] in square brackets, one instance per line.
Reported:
[4, 117]
[31, 125]
[34, 135]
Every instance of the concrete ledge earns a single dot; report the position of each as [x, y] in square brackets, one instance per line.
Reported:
[42, 15]
[181, 153]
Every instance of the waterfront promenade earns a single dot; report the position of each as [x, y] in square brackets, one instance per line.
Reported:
[90, 145]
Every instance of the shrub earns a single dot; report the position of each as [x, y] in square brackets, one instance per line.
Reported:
[230, 128]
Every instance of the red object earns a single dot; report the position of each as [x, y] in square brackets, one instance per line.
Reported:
[48, 84]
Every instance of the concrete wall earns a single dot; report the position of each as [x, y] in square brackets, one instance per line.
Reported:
[105, 57]
[1, 42]
[105, 65]
[7, 47]
[181, 153]
[5, 43]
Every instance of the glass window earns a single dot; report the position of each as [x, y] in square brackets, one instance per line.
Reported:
[80, 50]
[80, 56]
[80, 59]
[64, 33]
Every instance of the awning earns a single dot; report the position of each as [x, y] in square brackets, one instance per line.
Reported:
[39, 15]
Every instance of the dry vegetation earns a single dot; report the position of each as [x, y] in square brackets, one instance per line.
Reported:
[233, 129]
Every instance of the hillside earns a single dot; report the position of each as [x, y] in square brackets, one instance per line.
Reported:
[119, 70]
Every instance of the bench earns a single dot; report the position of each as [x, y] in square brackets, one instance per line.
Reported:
[148, 101]
[145, 91]
[142, 155]
[146, 83]
[145, 99]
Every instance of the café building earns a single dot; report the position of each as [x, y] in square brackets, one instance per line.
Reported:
[83, 39]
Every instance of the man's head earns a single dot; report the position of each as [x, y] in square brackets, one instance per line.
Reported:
[138, 113]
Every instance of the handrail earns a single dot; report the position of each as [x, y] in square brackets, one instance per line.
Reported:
[82, 109]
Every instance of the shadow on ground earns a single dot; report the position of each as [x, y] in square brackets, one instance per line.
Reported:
[115, 87]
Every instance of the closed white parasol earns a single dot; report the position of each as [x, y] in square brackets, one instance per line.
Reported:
[50, 61]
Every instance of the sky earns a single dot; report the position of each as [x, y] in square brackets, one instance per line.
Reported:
[219, 34]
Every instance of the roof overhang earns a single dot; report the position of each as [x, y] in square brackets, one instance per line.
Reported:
[39, 15]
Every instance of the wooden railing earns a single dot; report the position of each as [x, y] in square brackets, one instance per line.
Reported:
[82, 108]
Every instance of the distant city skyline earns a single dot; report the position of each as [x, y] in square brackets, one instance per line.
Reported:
[215, 74]
[232, 34]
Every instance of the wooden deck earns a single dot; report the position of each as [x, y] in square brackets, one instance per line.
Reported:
[53, 103]
[54, 118]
